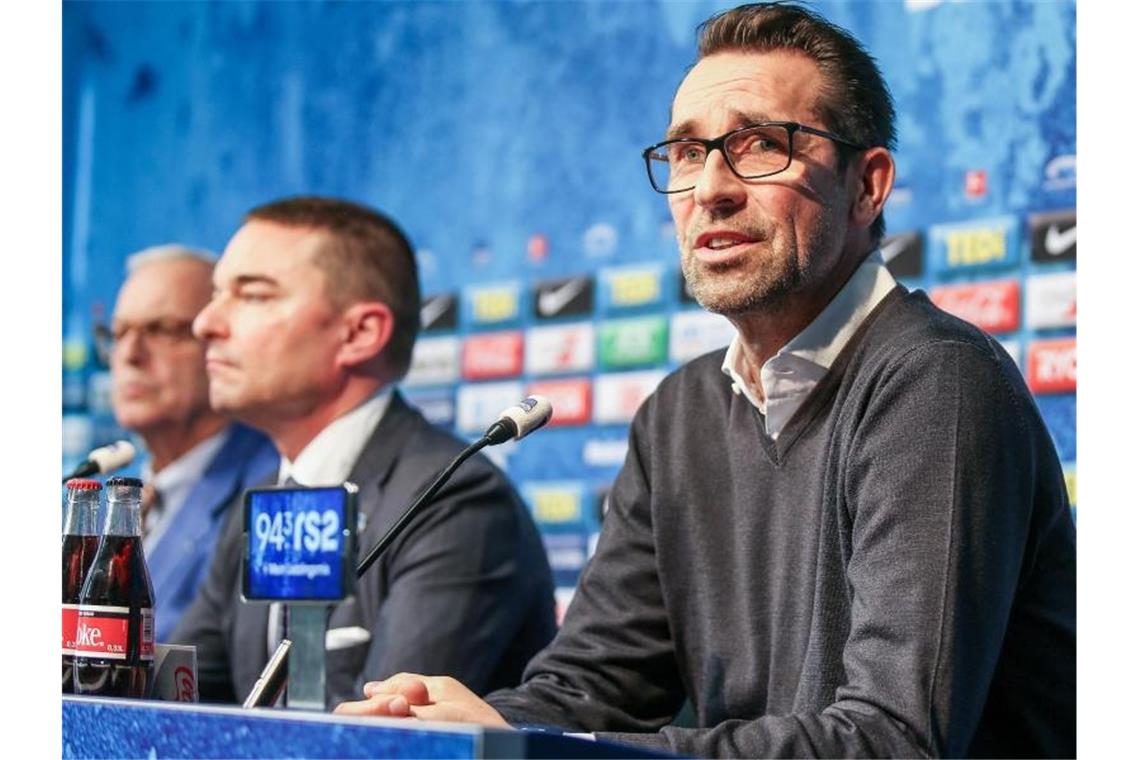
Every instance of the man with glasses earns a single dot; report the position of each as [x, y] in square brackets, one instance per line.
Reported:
[848, 533]
[197, 460]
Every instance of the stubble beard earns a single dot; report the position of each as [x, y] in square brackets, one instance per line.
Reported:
[730, 290]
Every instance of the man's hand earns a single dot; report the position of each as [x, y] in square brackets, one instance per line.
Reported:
[407, 695]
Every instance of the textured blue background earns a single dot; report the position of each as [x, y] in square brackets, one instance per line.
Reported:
[480, 125]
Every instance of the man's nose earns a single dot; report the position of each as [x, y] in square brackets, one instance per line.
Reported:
[718, 187]
[209, 323]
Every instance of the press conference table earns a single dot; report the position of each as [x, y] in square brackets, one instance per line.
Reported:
[98, 728]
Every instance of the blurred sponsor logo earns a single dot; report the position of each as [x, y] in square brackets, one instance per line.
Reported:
[554, 503]
[562, 348]
[480, 405]
[492, 304]
[600, 240]
[627, 288]
[564, 298]
[632, 342]
[1061, 172]
[438, 407]
[976, 181]
[537, 248]
[992, 306]
[694, 333]
[618, 396]
[903, 254]
[986, 243]
[435, 361]
[1051, 300]
[566, 551]
[439, 312]
[493, 355]
[571, 399]
[601, 453]
[1053, 366]
[1054, 236]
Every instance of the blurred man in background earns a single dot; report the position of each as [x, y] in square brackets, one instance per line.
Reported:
[197, 461]
[313, 319]
[847, 534]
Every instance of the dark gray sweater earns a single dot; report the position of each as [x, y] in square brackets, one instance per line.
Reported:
[894, 576]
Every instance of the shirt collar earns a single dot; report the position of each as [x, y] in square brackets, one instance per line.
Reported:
[790, 375]
[329, 458]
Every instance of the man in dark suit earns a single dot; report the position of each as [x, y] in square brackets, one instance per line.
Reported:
[314, 315]
[197, 461]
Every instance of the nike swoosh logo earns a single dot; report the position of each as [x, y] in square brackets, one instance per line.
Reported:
[893, 248]
[433, 310]
[1057, 242]
[551, 302]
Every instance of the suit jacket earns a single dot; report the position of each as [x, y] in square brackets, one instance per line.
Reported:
[179, 561]
[465, 591]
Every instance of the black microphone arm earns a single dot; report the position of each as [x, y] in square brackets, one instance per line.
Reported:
[516, 422]
[398, 526]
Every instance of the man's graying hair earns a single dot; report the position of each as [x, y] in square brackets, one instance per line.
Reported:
[855, 103]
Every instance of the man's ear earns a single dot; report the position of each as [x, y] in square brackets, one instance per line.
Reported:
[873, 176]
[368, 328]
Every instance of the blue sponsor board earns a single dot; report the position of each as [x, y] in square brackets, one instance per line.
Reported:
[438, 406]
[980, 244]
[1060, 415]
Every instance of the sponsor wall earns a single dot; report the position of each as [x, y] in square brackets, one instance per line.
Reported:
[506, 138]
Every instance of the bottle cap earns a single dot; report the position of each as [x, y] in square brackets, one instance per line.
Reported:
[119, 481]
[83, 484]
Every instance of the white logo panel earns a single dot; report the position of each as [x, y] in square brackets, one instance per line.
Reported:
[560, 348]
[1051, 300]
[617, 396]
[693, 333]
[480, 405]
[435, 361]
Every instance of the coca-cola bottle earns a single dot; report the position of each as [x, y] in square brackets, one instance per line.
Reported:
[114, 635]
[80, 538]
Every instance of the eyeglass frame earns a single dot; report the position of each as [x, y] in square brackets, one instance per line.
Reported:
[717, 143]
[175, 330]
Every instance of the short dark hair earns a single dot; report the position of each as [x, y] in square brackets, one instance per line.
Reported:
[367, 258]
[856, 103]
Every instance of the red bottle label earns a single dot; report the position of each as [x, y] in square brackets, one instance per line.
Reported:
[70, 617]
[102, 632]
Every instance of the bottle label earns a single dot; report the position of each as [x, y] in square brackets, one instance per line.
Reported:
[70, 617]
[102, 632]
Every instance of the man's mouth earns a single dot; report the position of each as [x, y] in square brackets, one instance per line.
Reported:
[720, 245]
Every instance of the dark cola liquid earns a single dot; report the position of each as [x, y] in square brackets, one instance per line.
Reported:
[118, 579]
[78, 552]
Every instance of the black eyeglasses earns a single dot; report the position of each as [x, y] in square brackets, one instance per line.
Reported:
[752, 152]
[161, 333]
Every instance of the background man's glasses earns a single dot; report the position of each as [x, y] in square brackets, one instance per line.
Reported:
[752, 152]
[159, 333]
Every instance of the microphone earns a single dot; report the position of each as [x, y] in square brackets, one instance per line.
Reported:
[518, 421]
[104, 459]
[515, 422]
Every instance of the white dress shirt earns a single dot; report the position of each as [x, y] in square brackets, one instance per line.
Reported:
[790, 375]
[174, 483]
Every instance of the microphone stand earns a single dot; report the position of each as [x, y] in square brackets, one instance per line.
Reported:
[489, 439]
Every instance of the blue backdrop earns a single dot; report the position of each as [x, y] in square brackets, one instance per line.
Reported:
[505, 138]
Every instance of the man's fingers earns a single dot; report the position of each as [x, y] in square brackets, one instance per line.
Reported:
[384, 705]
[390, 685]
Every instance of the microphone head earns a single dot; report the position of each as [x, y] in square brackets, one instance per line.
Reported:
[528, 415]
[112, 457]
